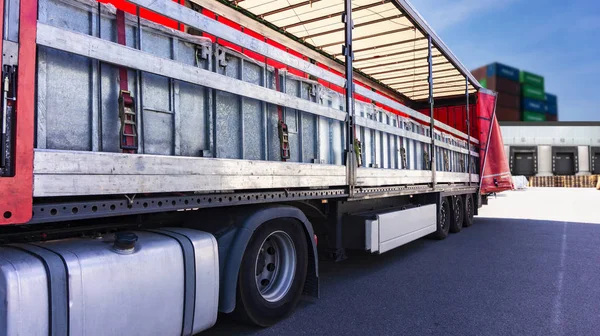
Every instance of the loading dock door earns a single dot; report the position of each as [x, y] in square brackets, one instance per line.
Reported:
[523, 164]
[596, 163]
[565, 164]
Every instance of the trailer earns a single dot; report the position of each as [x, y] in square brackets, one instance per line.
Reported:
[163, 161]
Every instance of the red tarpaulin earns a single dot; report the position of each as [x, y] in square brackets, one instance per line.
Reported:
[495, 172]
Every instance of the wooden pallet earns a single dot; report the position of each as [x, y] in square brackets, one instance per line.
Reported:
[590, 181]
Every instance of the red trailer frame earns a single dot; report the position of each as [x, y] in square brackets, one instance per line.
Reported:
[17, 198]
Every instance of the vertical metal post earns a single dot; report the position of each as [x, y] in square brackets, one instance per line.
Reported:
[468, 131]
[431, 102]
[349, 56]
[487, 143]
[140, 88]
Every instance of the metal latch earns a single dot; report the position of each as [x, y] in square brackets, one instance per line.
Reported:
[446, 162]
[220, 56]
[284, 140]
[9, 78]
[426, 160]
[358, 152]
[202, 53]
[128, 116]
[404, 160]
[10, 53]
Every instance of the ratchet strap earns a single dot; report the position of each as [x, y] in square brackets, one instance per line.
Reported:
[282, 127]
[128, 140]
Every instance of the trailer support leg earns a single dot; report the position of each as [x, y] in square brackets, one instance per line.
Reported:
[335, 245]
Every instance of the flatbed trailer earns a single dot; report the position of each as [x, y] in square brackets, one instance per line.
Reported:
[223, 137]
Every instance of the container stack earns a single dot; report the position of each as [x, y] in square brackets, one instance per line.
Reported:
[521, 94]
[533, 97]
[551, 107]
[504, 80]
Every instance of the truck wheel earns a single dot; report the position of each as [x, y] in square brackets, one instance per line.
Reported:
[272, 273]
[443, 220]
[457, 214]
[469, 211]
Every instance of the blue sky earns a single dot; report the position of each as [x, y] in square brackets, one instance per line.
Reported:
[559, 40]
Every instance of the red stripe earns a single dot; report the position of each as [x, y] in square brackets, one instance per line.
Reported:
[121, 39]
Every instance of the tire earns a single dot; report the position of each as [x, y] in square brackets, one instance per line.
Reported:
[265, 292]
[443, 220]
[456, 214]
[469, 211]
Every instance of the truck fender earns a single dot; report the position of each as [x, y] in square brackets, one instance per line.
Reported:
[232, 246]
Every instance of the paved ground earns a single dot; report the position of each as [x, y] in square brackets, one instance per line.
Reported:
[499, 277]
[580, 205]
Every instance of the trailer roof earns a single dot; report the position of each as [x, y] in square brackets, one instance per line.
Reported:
[389, 40]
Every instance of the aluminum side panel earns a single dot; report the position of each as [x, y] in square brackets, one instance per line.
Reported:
[397, 228]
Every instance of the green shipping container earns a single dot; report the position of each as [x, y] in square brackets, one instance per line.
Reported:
[533, 92]
[533, 116]
[483, 82]
[533, 80]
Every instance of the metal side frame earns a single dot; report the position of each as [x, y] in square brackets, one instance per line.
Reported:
[16, 201]
[72, 173]
[205, 24]
[110, 52]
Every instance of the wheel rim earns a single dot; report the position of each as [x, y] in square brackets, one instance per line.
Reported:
[275, 266]
[443, 214]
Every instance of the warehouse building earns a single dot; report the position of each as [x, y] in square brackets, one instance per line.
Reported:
[552, 148]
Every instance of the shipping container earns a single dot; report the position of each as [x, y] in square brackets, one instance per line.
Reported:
[501, 70]
[508, 114]
[533, 105]
[551, 109]
[532, 92]
[480, 73]
[484, 82]
[503, 85]
[550, 117]
[531, 79]
[533, 116]
[509, 100]
[551, 99]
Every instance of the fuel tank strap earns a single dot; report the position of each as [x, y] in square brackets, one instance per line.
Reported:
[58, 288]
[189, 268]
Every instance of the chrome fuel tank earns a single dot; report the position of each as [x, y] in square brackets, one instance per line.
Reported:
[156, 282]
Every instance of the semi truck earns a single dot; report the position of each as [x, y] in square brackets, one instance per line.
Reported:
[164, 161]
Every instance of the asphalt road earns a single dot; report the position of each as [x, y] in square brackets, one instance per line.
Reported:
[499, 277]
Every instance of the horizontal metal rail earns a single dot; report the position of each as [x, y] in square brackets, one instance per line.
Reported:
[73, 173]
[66, 211]
[114, 53]
[205, 24]
[372, 124]
[394, 191]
